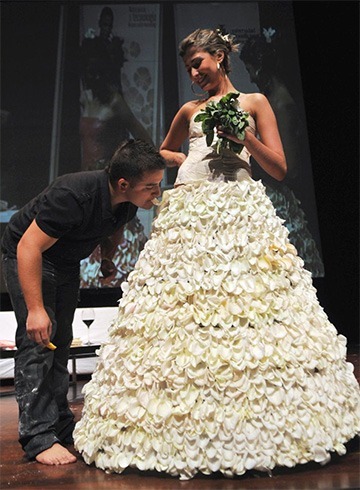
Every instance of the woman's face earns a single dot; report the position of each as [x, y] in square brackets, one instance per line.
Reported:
[202, 68]
[106, 25]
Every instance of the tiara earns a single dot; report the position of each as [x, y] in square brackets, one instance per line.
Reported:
[224, 37]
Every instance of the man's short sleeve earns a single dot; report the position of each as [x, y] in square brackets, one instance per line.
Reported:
[59, 212]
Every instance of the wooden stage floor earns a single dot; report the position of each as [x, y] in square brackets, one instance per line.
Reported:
[16, 472]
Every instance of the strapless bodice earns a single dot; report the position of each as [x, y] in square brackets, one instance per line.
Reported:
[203, 163]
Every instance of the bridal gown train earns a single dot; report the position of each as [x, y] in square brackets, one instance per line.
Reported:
[221, 357]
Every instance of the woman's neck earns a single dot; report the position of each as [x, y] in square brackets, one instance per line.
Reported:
[224, 87]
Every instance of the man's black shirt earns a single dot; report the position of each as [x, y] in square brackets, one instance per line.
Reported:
[75, 209]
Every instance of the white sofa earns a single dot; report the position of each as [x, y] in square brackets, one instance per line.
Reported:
[98, 334]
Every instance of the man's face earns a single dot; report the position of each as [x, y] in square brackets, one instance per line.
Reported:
[144, 191]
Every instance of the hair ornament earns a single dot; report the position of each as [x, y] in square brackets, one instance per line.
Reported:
[227, 38]
[90, 33]
[268, 34]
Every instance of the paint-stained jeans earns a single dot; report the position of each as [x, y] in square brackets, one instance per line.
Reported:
[41, 375]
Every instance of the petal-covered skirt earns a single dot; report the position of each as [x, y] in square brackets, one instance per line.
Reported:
[220, 358]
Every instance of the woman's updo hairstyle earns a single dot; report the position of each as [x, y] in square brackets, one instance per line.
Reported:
[210, 41]
[262, 51]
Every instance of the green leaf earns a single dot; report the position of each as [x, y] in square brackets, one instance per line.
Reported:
[235, 147]
[208, 124]
[199, 117]
[224, 113]
[209, 138]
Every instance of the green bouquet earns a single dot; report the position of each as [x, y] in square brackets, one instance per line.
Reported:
[224, 114]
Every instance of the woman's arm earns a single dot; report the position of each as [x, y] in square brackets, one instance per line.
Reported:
[268, 151]
[177, 134]
[292, 135]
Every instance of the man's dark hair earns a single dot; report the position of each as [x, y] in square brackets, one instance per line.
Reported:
[132, 159]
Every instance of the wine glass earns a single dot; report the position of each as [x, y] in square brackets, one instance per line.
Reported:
[88, 317]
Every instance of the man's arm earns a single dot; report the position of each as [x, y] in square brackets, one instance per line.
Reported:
[29, 255]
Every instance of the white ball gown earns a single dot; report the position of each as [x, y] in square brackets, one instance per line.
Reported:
[221, 357]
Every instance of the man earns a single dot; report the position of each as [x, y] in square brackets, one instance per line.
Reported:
[105, 112]
[102, 58]
[42, 247]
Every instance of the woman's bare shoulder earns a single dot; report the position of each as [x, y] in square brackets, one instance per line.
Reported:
[253, 98]
[193, 105]
[253, 102]
[187, 110]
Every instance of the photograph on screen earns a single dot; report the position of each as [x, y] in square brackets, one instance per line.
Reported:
[119, 68]
[119, 98]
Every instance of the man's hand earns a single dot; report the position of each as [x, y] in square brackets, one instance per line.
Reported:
[108, 247]
[29, 254]
[108, 268]
[38, 327]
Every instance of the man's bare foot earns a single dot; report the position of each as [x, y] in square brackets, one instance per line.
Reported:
[56, 454]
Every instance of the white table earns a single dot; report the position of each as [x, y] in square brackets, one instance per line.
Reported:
[83, 365]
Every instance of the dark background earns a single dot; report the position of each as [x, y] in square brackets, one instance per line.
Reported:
[328, 48]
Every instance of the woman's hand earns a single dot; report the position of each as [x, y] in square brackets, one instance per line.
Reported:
[221, 133]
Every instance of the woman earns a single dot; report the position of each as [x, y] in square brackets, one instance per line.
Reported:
[261, 55]
[206, 58]
[106, 118]
[220, 358]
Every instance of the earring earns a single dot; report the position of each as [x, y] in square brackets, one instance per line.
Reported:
[218, 66]
[203, 94]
